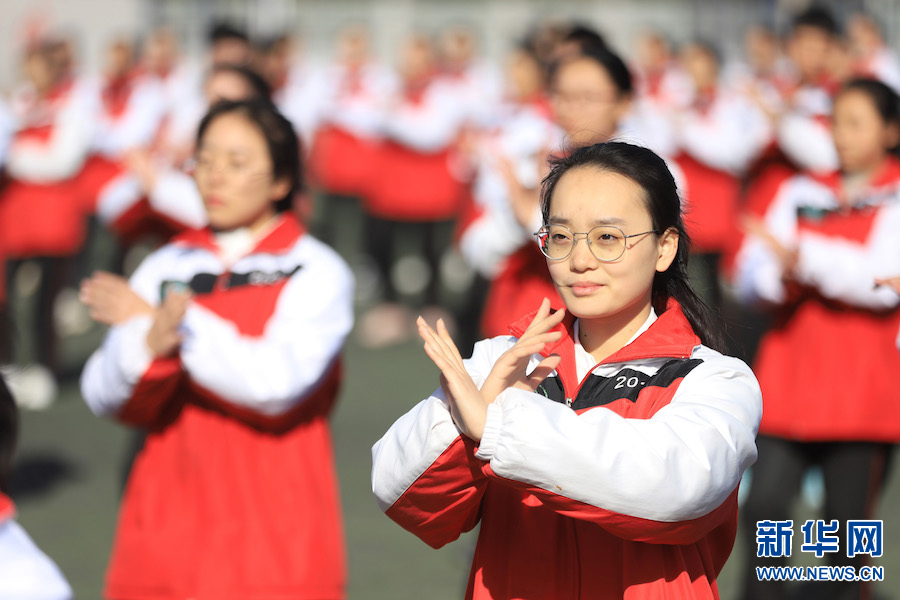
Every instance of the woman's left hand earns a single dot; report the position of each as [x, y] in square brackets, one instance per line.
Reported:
[111, 300]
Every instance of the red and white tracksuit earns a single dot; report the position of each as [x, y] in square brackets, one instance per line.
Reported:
[41, 204]
[234, 494]
[828, 365]
[630, 492]
[343, 154]
[415, 178]
[716, 137]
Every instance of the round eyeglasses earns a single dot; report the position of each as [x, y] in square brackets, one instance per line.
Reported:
[606, 242]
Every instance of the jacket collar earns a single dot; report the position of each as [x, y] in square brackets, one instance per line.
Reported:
[7, 508]
[279, 240]
[670, 336]
[888, 174]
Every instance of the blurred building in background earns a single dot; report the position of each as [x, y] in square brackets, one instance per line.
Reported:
[92, 23]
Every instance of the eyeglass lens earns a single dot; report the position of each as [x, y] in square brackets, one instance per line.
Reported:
[607, 243]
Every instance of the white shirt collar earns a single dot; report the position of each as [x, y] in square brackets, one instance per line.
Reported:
[584, 360]
[237, 243]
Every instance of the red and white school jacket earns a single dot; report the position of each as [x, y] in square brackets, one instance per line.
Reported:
[41, 205]
[132, 111]
[803, 132]
[828, 366]
[26, 573]
[717, 137]
[344, 149]
[234, 494]
[416, 178]
[613, 481]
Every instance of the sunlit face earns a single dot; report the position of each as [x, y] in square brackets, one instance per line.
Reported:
[234, 174]
[584, 198]
[586, 101]
[861, 136]
[809, 49]
[701, 66]
[524, 75]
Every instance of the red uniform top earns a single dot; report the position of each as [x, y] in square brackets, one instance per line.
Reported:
[234, 494]
[617, 481]
[415, 177]
[41, 205]
[828, 365]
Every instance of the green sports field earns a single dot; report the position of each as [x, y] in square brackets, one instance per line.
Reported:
[69, 475]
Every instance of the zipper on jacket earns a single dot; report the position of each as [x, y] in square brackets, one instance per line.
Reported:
[569, 402]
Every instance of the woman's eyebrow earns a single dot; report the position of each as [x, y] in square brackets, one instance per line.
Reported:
[594, 223]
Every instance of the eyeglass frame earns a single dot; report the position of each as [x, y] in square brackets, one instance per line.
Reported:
[587, 239]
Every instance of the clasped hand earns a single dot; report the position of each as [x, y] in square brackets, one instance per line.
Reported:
[468, 403]
[112, 301]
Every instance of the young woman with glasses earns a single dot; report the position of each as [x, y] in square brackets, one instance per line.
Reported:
[601, 446]
[225, 346]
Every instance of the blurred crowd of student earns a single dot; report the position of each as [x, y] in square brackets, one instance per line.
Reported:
[423, 171]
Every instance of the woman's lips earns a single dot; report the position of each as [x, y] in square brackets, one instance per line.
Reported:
[584, 288]
[214, 202]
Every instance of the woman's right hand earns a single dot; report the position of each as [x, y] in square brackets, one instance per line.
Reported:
[163, 339]
[510, 369]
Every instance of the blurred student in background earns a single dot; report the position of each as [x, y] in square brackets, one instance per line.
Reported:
[42, 209]
[716, 135]
[415, 192]
[225, 345]
[26, 573]
[828, 365]
[354, 91]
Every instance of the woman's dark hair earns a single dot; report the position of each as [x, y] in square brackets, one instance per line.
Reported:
[611, 62]
[224, 30]
[885, 99]
[9, 416]
[284, 149]
[259, 87]
[9, 428]
[817, 17]
[584, 36]
[663, 203]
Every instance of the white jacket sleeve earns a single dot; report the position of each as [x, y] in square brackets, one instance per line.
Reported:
[67, 149]
[416, 440]
[758, 273]
[846, 271]
[678, 465]
[176, 196]
[490, 239]
[431, 126]
[139, 123]
[807, 142]
[26, 573]
[113, 370]
[272, 373]
[728, 139]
